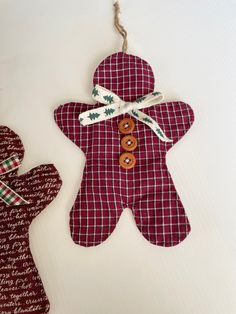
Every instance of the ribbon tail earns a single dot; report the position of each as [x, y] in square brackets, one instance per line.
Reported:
[141, 116]
[10, 197]
[100, 114]
[7, 195]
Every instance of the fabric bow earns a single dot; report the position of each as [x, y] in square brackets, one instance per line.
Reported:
[9, 196]
[115, 106]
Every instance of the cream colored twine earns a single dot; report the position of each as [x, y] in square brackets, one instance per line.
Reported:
[119, 27]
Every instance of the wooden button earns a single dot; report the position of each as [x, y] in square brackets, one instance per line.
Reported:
[126, 126]
[127, 160]
[129, 143]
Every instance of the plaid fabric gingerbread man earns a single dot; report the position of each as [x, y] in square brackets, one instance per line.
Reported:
[125, 152]
[22, 198]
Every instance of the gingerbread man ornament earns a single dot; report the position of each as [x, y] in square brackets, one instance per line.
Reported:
[125, 143]
[22, 198]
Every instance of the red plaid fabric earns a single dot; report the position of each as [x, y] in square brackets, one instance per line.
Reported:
[21, 289]
[106, 188]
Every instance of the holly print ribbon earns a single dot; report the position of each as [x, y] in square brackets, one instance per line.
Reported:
[115, 106]
[9, 196]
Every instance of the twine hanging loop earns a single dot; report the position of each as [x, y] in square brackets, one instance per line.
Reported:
[120, 27]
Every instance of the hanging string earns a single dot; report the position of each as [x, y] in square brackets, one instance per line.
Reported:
[119, 27]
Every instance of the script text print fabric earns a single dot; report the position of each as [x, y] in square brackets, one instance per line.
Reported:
[21, 289]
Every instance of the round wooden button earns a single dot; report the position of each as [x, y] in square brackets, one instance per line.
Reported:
[126, 126]
[129, 143]
[127, 160]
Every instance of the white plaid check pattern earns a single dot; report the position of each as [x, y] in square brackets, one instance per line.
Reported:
[106, 188]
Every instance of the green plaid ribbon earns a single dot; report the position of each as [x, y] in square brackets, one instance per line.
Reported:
[115, 106]
[7, 195]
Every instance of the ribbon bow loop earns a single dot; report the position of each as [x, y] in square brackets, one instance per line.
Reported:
[7, 195]
[115, 106]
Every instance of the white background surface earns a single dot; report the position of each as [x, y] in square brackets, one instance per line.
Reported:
[49, 51]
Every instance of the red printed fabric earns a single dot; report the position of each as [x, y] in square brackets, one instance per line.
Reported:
[21, 290]
[106, 188]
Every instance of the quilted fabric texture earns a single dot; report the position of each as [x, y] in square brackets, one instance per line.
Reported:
[106, 188]
[21, 290]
